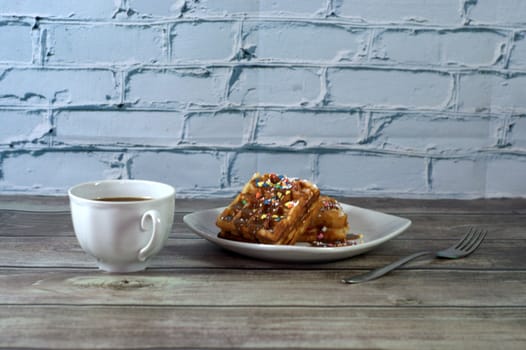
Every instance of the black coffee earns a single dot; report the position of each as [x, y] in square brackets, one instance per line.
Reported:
[122, 199]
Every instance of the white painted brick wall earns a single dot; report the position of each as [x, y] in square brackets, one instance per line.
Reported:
[405, 98]
[434, 12]
[387, 88]
[502, 12]
[369, 172]
[125, 44]
[243, 165]
[426, 133]
[167, 87]
[201, 172]
[15, 43]
[439, 47]
[451, 176]
[486, 91]
[60, 9]
[126, 128]
[303, 41]
[35, 171]
[191, 41]
[44, 86]
[518, 53]
[295, 128]
[281, 86]
[23, 126]
[226, 128]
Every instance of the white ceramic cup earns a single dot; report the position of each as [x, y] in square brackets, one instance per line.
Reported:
[122, 235]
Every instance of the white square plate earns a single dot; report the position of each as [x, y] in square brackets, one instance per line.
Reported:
[376, 228]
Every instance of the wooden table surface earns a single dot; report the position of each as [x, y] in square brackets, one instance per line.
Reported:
[197, 295]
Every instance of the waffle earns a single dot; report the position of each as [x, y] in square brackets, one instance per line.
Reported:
[330, 225]
[270, 209]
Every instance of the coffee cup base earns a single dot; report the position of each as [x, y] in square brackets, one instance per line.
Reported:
[121, 268]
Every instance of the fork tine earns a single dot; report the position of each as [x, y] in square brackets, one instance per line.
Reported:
[465, 246]
[480, 235]
[469, 238]
[465, 240]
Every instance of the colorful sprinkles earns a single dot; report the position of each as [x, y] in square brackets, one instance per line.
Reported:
[271, 201]
[276, 181]
[273, 190]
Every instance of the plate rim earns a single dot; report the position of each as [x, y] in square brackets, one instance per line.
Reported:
[318, 252]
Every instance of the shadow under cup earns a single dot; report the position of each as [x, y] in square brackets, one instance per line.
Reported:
[122, 223]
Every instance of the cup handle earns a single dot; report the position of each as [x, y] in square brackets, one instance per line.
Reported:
[156, 239]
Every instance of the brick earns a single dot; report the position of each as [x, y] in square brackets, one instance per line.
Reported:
[54, 171]
[292, 128]
[157, 8]
[445, 12]
[458, 177]
[107, 43]
[177, 86]
[23, 126]
[502, 12]
[371, 174]
[57, 86]
[118, 127]
[478, 47]
[15, 42]
[506, 177]
[301, 41]
[219, 128]
[276, 8]
[518, 133]
[518, 51]
[192, 41]
[388, 88]
[433, 133]
[491, 92]
[244, 165]
[275, 85]
[59, 8]
[186, 171]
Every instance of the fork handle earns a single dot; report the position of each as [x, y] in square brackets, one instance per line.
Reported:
[371, 275]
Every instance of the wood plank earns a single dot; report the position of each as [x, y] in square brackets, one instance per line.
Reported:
[443, 226]
[424, 226]
[392, 205]
[61, 203]
[440, 206]
[198, 295]
[34, 202]
[276, 288]
[31, 223]
[247, 327]
[64, 252]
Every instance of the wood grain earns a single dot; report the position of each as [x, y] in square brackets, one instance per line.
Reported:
[268, 328]
[393, 205]
[65, 252]
[277, 288]
[197, 295]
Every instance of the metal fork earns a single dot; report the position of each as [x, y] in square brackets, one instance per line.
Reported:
[465, 246]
